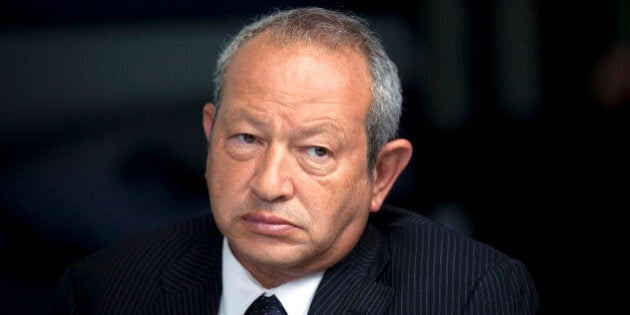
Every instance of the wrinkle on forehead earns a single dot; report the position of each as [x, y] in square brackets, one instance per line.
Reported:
[299, 66]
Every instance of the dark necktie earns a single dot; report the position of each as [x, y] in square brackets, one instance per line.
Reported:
[266, 306]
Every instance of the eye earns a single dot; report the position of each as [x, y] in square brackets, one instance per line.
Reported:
[318, 151]
[246, 138]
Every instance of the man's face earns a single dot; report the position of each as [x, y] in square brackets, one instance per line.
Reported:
[287, 161]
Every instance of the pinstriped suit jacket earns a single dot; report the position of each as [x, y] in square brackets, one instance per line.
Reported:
[403, 264]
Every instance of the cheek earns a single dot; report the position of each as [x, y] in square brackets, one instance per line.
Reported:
[224, 192]
[214, 175]
[223, 172]
[336, 203]
[224, 179]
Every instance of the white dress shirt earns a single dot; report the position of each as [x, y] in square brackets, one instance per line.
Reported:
[240, 288]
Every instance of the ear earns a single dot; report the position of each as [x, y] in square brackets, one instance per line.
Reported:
[208, 118]
[390, 163]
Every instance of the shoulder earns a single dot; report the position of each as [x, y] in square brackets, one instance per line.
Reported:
[136, 266]
[164, 242]
[408, 231]
[426, 257]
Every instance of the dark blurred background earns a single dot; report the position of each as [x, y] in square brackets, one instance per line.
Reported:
[518, 111]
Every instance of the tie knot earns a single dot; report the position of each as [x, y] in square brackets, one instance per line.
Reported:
[264, 305]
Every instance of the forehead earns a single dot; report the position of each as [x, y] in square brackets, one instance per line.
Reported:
[300, 70]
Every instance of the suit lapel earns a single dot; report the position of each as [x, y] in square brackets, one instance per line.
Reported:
[192, 283]
[351, 286]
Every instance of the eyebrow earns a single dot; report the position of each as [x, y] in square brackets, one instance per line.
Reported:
[311, 128]
[244, 116]
[321, 127]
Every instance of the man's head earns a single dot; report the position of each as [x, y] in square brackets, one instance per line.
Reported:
[291, 185]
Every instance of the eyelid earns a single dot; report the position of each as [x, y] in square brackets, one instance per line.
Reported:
[315, 147]
[318, 165]
[242, 137]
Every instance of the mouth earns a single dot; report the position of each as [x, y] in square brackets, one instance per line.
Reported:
[265, 223]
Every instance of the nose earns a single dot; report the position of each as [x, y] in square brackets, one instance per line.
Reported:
[273, 180]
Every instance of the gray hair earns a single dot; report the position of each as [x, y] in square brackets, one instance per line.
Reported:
[332, 29]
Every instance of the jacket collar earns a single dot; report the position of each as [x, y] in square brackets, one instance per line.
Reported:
[193, 281]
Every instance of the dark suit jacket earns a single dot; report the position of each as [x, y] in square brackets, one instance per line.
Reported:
[403, 264]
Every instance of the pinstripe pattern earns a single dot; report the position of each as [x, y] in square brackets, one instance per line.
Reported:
[172, 271]
[403, 264]
[424, 268]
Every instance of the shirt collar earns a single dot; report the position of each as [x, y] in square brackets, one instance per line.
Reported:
[240, 289]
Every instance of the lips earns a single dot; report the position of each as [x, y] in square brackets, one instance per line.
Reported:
[265, 223]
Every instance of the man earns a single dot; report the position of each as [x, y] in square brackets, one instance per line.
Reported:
[301, 156]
